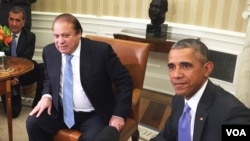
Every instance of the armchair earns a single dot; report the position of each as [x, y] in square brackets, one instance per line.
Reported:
[133, 56]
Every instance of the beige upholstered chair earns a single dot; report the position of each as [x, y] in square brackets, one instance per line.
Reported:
[133, 56]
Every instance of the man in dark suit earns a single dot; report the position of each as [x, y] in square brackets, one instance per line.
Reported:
[96, 68]
[211, 106]
[25, 47]
[6, 5]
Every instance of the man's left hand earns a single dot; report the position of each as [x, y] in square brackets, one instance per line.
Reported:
[117, 122]
[14, 81]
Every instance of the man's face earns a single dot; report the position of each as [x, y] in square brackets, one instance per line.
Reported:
[16, 22]
[155, 9]
[186, 72]
[65, 37]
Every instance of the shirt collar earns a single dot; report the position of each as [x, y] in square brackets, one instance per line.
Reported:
[194, 100]
[77, 50]
[17, 35]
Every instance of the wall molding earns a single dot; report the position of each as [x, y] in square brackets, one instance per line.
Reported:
[156, 75]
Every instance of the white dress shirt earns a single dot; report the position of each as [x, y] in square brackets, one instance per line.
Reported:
[193, 103]
[80, 100]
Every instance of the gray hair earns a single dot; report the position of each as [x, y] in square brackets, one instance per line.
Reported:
[200, 48]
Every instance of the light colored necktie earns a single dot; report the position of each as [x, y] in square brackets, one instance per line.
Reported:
[184, 133]
[68, 111]
[13, 45]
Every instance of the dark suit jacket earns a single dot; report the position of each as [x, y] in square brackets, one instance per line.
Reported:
[99, 67]
[216, 107]
[26, 45]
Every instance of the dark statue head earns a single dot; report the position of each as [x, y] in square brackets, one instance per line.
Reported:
[157, 11]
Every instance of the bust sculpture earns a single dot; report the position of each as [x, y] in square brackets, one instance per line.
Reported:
[157, 11]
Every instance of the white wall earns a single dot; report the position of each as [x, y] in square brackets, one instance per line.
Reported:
[156, 75]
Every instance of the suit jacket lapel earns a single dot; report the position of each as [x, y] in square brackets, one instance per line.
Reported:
[19, 43]
[202, 111]
[85, 60]
[200, 119]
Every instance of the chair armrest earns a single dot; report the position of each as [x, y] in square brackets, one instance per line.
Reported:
[136, 96]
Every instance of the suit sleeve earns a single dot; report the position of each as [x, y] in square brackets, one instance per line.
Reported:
[123, 84]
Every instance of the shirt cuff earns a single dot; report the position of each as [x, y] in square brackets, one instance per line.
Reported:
[47, 95]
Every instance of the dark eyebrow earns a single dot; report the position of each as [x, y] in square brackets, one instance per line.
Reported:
[182, 63]
[170, 64]
[186, 64]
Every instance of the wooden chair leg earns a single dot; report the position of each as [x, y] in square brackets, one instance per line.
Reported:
[136, 136]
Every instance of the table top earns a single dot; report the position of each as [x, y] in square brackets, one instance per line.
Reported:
[15, 66]
[155, 45]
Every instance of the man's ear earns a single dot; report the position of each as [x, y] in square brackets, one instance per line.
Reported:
[209, 66]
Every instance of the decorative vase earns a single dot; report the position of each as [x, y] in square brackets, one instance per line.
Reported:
[2, 54]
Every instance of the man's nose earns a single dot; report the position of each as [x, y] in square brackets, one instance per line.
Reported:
[61, 40]
[177, 73]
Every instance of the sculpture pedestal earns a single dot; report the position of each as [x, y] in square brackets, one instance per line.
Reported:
[156, 32]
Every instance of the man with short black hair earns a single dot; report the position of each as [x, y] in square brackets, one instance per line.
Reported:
[6, 5]
[199, 108]
[24, 42]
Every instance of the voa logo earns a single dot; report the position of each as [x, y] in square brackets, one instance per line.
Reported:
[236, 132]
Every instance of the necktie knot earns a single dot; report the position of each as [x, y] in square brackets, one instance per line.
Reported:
[68, 57]
[186, 108]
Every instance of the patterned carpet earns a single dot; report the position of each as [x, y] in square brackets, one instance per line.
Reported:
[146, 133]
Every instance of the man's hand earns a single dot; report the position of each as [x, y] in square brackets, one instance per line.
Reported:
[117, 122]
[43, 104]
[14, 81]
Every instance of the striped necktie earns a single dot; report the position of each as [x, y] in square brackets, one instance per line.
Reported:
[68, 111]
[13, 45]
